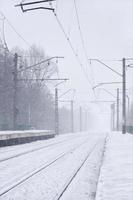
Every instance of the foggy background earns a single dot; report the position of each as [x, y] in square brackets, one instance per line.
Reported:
[108, 35]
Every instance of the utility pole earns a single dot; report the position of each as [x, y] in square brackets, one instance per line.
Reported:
[113, 116]
[72, 120]
[29, 115]
[5, 94]
[56, 113]
[15, 92]
[124, 97]
[80, 118]
[117, 109]
[128, 104]
[86, 120]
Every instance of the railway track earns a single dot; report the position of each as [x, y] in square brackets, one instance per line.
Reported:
[26, 177]
[33, 150]
[70, 180]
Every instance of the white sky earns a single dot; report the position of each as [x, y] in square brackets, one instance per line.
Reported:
[107, 29]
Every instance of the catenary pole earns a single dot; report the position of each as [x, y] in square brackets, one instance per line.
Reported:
[113, 116]
[80, 119]
[72, 120]
[15, 92]
[118, 109]
[124, 97]
[56, 113]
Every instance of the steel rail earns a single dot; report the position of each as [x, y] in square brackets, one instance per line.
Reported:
[33, 150]
[33, 173]
[58, 196]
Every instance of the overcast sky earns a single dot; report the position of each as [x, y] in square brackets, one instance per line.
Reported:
[106, 26]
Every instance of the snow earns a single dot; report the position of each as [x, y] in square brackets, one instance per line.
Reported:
[48, 183]
[7, 152]
[116, 178]
[19, 134]
[16, 168]
[83, 187]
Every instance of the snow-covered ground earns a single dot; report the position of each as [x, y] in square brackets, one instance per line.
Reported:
[10, 151]
[49, 182]
[116, 178]
[83, 187]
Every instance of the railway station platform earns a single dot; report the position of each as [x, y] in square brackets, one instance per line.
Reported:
[8, 138]
[116, 177]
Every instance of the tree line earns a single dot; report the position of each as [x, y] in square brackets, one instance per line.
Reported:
[34, 99]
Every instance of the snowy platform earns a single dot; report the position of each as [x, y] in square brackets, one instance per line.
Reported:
[116, 178]
[19, 137]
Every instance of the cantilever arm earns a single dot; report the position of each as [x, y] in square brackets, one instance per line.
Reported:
[38, 8]
[32, 3]
[107, 66]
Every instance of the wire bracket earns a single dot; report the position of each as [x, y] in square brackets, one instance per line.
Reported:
[21, 5]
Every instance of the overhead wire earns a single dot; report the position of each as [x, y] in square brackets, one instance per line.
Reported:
[57, 2]
[62, 28]
[72, 48]
[14, 29]
[71, 17]
[82, 38]
[21, 37]
[2, 38]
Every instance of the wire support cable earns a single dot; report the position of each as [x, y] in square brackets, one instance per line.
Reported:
[14, 29]
[72, 48]
[82, 39]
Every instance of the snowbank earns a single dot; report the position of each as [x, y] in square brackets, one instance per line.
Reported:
[116, 178]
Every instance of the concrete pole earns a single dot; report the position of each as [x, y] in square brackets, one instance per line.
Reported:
[117, 123]
[124, 98]
[29, 115]
[56, 113]
[128, 104]
[15, 92]
[80, 119]
[72, 117]
[113, 117]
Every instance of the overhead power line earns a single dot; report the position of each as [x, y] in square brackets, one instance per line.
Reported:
[72, 48]
[57, 3]
[81, 35]
[82, 38]
[63, 30]
[14, 29]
